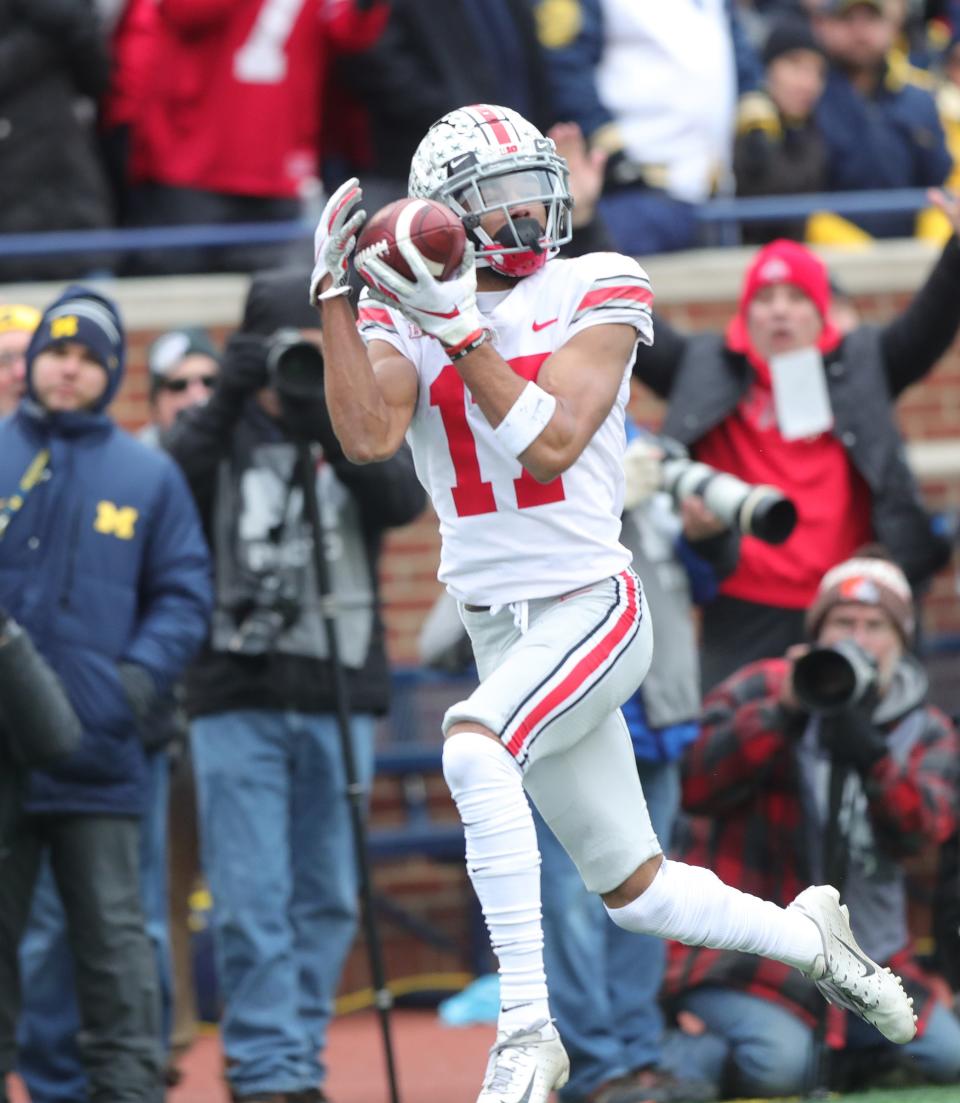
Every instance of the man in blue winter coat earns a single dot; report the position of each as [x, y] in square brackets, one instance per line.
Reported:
[104, 564]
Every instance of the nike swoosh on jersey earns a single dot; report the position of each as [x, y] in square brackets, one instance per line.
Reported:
[537, 326]
[868, 969]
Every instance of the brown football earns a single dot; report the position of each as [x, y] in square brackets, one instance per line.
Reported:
[436, 232]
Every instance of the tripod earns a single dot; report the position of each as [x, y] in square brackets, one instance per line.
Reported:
[383, 999]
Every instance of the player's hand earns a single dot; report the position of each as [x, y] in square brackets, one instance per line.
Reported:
[334, 240]
[446, 309]
[641, 471]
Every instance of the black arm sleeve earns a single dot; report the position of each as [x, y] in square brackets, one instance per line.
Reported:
[914, 341]
[656, 364]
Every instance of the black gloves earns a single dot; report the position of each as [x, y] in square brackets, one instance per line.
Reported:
[244, 368]
[141, 692]
[851, 737]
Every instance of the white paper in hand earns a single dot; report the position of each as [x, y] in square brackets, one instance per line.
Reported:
[800, 396]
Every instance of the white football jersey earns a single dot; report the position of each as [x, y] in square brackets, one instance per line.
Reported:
[506, 537]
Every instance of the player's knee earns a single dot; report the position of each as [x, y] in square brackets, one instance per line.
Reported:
[467, 750]
[635, 885]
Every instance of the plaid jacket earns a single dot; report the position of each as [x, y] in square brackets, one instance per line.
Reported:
[743, 774]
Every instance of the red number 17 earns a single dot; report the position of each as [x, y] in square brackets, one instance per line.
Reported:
[471, 495]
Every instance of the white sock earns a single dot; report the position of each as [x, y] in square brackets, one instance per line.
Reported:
[503, 862]
[692, 905]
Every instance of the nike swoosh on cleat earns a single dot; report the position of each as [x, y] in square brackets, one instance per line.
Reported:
[537, 326]
[868, 969]
[525, 1098]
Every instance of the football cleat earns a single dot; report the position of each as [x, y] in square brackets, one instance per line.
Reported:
[526, 1066]
[847, 977]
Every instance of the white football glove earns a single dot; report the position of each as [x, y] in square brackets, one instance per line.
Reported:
[446, 309]
[641, 471]
[335, 239]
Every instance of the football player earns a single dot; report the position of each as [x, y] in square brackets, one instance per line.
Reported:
[510, 382]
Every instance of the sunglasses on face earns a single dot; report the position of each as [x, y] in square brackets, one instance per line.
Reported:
[178, 386]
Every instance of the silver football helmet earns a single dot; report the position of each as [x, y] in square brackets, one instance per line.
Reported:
[483, 158]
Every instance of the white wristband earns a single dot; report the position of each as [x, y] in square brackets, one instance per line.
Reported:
[526, 419]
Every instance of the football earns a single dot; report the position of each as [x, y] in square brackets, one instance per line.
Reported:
[436, 232]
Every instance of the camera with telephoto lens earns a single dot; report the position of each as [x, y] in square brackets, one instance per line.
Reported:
[831, 679]
[261, 622]
[754, 510]
[294, 366]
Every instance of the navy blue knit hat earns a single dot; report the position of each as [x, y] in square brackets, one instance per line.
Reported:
[91, 319]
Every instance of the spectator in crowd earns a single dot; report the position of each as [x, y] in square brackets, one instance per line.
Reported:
[103, 562]
[609, 64]
[878, 117]
[48, 1057]
[17, 323]
[230, 129]
[948, 103]
[782, 398]
[419, 70]
[779, 149]
[53, 65]
[183, 366]
[758, 780]
[262, 696]
[604, 981]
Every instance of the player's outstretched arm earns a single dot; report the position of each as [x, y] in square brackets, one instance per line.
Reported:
[371, 395]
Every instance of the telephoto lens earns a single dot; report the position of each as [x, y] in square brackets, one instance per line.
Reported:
[831, 679]
[755, 510]
[295, 366]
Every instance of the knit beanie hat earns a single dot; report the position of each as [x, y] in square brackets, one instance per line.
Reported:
[90, 319]
[865, 581]
[790, 33]
[18, 318]
[784, 261]
[276, 301]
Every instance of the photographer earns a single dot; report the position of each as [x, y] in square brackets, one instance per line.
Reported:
[37, 723]
[850, 709]
[781, 396]
[275, 826]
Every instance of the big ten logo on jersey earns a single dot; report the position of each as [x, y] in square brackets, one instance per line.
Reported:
[114, 520]
[262, 59]
[472, 495]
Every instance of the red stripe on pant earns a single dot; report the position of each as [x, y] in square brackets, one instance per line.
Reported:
[582, 671]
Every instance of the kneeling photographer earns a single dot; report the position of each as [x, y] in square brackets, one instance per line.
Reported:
[37, 722]
[825, 766]
[275, 821]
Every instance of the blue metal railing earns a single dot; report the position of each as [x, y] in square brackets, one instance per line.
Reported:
[715, 212]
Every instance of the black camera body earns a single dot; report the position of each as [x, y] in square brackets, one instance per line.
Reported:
[753, 510]
[828, 680]
[295, 366]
